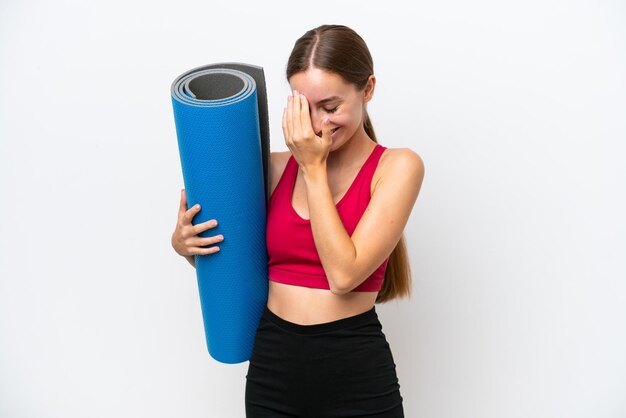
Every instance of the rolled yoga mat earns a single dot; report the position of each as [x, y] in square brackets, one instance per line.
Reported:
[221, 119]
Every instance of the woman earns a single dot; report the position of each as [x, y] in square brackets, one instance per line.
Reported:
[338, 208]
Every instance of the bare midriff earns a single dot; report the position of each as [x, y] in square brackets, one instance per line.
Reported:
[307, 306]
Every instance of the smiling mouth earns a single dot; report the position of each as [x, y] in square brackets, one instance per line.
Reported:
[332, 131]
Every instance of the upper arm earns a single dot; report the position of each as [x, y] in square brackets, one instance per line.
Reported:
[278, 162]
[380, 228]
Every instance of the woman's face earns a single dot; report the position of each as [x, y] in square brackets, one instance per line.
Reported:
[329, 95]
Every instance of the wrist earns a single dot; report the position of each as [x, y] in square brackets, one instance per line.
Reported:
[314, 172]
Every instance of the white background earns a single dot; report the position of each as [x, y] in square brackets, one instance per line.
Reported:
[517, 240]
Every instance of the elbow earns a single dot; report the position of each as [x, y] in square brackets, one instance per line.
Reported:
[340, 286]
[336, 291]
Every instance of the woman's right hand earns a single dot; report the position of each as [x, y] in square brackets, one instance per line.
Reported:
[185, 239]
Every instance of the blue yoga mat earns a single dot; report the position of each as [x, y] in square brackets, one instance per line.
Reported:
[220, 112]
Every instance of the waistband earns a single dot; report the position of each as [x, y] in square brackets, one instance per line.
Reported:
[351, 321]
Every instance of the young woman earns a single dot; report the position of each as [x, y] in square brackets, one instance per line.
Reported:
[335, 221]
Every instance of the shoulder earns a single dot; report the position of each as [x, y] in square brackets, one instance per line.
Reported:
[400, 163]
[278, 162]
[393, 156]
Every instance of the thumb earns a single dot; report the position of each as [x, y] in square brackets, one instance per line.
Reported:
[326, 130]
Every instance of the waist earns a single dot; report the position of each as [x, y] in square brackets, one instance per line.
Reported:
[322, 327]
[305, 305]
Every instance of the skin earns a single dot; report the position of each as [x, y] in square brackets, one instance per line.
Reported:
[327, 167]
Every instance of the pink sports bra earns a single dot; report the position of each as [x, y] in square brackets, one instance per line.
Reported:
[293, 257]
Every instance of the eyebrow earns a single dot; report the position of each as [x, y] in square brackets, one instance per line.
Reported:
[328, 99]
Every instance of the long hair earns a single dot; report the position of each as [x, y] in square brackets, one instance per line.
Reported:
[339, 49]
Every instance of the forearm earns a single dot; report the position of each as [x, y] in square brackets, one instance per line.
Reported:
[191, 259]
[334, 245]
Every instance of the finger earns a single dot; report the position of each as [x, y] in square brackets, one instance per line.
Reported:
[285, 127]
[203, 242]
[183, 203]
[289, 121]
[189, 214]
[204, 226]
[305, 117]
[326, 130]
[296, 125]
[203, 250]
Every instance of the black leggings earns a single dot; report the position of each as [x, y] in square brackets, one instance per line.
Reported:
[342, 368]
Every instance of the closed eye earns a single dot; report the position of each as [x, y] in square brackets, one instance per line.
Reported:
[333, 110]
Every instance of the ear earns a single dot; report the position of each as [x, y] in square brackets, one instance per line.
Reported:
[368, 91]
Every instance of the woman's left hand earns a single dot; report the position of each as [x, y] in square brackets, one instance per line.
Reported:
[307, 148]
